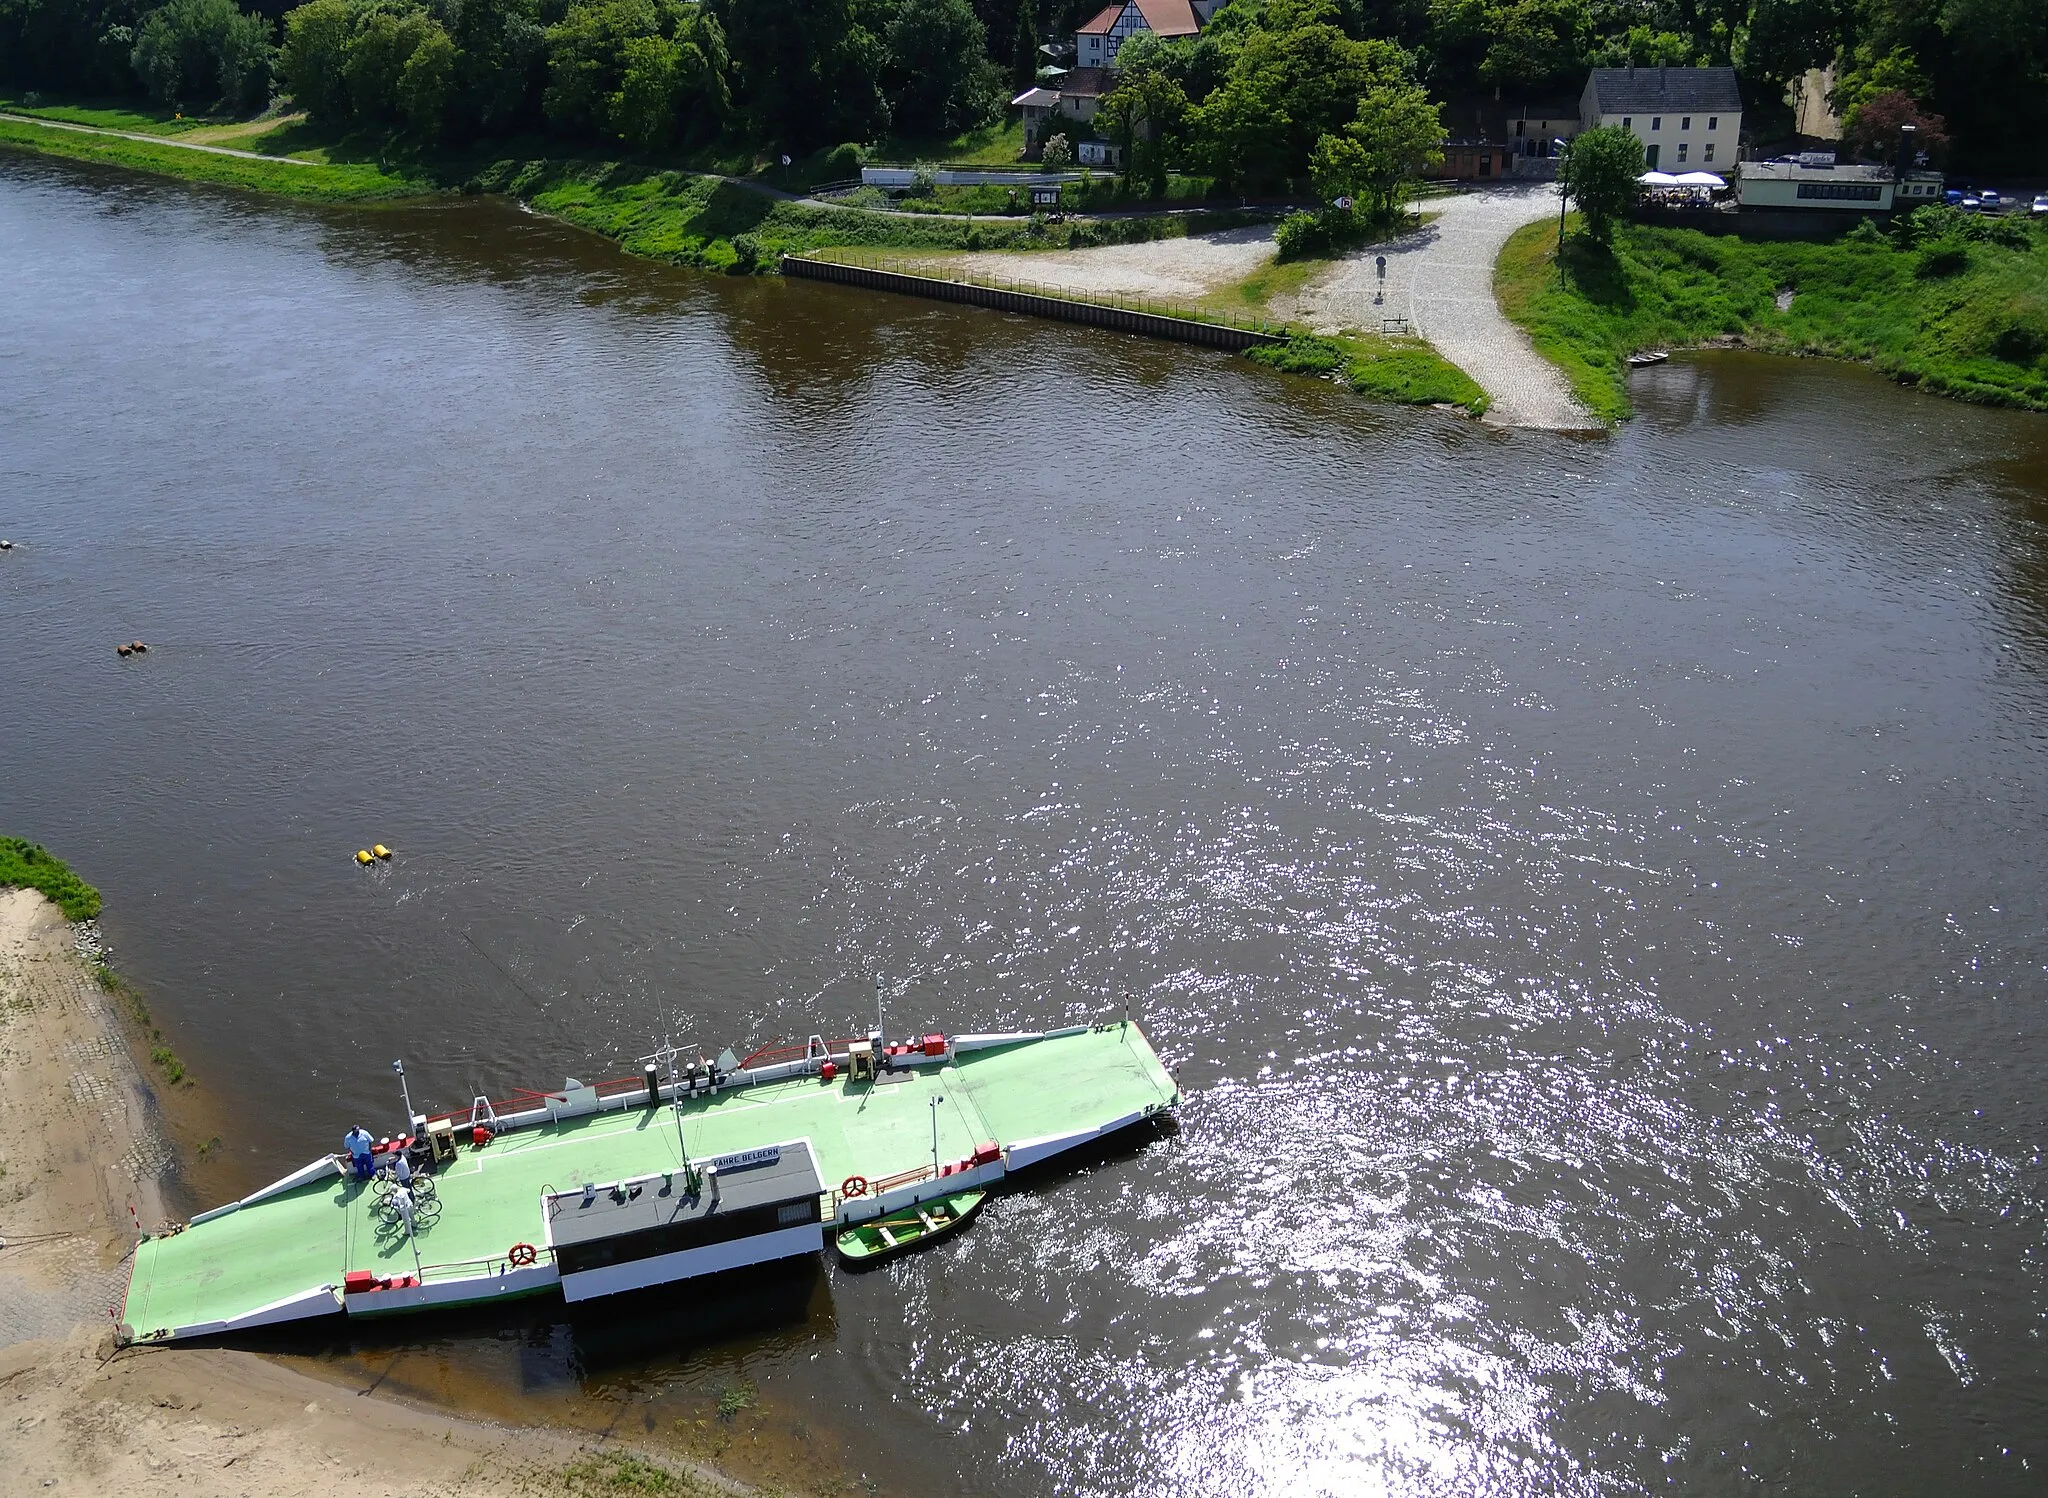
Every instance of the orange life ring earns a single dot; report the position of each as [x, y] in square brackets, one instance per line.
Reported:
[522, 1255]
[854, 1186]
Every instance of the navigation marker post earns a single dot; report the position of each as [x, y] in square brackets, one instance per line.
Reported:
[937, 1098]
[405, 1092]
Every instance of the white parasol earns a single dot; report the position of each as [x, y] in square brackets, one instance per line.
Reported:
[1700, 179]
[1657, 179]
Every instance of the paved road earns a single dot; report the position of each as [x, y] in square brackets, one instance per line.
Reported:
[1439, 284]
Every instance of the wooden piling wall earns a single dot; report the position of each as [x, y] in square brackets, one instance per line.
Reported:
[1032, 304]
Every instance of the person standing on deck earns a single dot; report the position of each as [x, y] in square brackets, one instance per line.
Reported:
[401, 1203]
[359, 1145]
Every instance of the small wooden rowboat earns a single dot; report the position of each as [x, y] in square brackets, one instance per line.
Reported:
[911, 1227]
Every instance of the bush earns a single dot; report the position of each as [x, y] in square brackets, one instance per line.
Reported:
[1302, 236]
[845, 161]
[1301, 354]
[1944, 257]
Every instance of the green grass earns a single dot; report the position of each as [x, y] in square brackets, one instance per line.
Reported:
[172, 1068]
[1406, 371]
[620, 1474]
[341, 182]
[1965, 320]
[991, 145]
[27, 865]
[125, 114]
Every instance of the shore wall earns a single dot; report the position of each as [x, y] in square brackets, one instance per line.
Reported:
[1032, 304]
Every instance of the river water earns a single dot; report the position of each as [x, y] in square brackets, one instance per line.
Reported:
[1592, 890]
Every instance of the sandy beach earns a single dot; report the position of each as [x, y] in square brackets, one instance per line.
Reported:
[80, 1146]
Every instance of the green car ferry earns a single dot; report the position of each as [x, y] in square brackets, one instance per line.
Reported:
[595, 1190]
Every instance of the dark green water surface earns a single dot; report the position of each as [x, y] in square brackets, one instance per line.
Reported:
[1593, 890]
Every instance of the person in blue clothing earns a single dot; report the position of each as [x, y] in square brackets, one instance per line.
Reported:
[359, 1145]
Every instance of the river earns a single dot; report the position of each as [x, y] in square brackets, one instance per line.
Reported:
[1592, 890]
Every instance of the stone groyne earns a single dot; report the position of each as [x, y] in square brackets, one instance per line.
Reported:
[1223, 335]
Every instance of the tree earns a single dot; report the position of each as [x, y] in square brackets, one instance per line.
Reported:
[316, 38]
[425, 84]
[1398, 135]
[1537, 43]
[500, 65]
[809, 69]
[1875, 128]
[1144, 115]
[1285, 91]
[1057, 154]
[375, 58]
[1786, 37]
[673, 87]
[194, 54]
[1024, 47]
[587, 61]
[939, 79]
[1600, 172]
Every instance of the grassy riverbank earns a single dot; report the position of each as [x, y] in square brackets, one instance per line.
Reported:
[331, 182]
[1964, 318]
[27, 865]
[1405, 371]
[665, 213]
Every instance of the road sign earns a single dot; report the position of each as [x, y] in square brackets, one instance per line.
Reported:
[1344, 203]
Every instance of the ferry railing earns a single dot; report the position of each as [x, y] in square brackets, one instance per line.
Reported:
[491, 1264]
[519, 1106]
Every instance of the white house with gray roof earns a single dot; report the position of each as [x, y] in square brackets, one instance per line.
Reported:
[1688, 119]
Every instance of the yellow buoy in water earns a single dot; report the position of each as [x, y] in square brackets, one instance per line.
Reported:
[362, 855]
[381, 851]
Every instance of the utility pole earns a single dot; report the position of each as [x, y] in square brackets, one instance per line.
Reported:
[405, 1092]
[937, 1098]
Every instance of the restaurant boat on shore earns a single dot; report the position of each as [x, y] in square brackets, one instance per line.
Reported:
[648, 1180]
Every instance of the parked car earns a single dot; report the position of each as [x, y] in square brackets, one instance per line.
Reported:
[2041, 205]
[1990, 200]
[1970, 203]
[1953, 197]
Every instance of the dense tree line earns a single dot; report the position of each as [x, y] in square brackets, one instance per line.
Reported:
[795, 74]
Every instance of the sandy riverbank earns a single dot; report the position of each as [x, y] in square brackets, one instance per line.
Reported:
[80, 1144]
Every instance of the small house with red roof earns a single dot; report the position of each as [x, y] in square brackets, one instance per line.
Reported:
[1096, 43]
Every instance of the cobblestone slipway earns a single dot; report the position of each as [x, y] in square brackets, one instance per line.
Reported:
[77, 1142]
[1439, 284]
